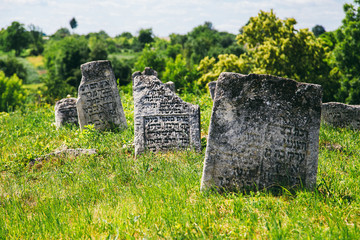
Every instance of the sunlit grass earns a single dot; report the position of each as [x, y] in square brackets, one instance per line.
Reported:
[36, 61]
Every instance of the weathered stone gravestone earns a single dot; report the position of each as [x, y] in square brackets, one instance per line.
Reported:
[163, 120]
[65, 112]
[341, 115]
[264, 132]
[98, 97]
[212, 86]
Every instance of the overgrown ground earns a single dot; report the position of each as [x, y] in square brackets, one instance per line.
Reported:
[113, 195]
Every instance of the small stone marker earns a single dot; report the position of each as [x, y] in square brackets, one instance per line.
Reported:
[212, 86]
[163, 120]
[264, 132]
[170, 85]
[341, 115]
[65, 112]
[98, 98]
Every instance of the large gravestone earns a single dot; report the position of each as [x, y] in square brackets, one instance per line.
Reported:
[341, 115]
[264, 132]
[65, 112]
[98, 101]
[163, 120]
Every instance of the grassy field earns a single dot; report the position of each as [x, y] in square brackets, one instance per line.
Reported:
[112, 195]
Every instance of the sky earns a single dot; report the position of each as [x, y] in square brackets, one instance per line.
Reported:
[164, 16]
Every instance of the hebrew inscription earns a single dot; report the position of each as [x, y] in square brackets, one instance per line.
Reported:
[341, 115]
[163, 121]
[65, 112]
[263, 133]
[166, 132]
[99, 101]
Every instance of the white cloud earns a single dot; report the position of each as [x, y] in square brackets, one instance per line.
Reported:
[164, 16]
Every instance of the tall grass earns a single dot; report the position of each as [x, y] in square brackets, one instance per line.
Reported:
[112, 195]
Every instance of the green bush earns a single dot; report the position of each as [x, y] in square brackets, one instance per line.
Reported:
[10, 66]
[11, 92]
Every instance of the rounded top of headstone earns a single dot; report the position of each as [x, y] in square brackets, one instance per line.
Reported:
[149, 72]
[96, 69]
[65, 102]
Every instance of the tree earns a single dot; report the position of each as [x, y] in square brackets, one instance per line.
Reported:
[97, 49]
[146, 36]
[178, 72]
[36, 40]
[318, 30]
[275, 47]
[211, 69]
[122, 70]
[15, 37]
[61, 33]
[10, 66]
[73, 23]
[62, 60]
[346, 58]
[11, 92]
[151, 58]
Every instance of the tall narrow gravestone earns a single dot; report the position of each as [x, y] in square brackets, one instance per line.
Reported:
[341, 115]
[163, 120]
[98, 97]
[65, 112]
[212, 87]
[264, 132]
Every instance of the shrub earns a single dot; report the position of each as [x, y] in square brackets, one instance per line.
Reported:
[11, 92]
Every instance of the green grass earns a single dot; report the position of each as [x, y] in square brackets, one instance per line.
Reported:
[124, 55]
[113, 195]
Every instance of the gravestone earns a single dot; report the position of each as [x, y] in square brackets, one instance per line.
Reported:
[99, 101]
[163, 121]
[212, 86]
[65, 112]
[264, 132]
[341, 115]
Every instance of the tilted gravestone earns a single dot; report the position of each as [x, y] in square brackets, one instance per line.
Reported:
[99, 101]
[341, 115]
[65, 112]
[163, 120]
[264, 132]
[212, 86]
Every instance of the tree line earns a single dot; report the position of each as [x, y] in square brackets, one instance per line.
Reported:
[264, 45]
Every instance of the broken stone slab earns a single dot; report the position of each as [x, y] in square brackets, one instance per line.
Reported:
[341, 115]
[65, 112]
[264, 132]
[64, 153]
[98, 100]
[212, 86]
[163, 121]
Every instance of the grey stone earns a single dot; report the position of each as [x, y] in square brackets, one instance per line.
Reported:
[212, 87]
[170, 85]
[65, 112]
[98, 100]
[341, 115]
[264, 132]
[162, 119]
[64, 153]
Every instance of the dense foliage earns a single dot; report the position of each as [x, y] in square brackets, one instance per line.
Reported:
[346, 57]
[266, 44]
[12, 94]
